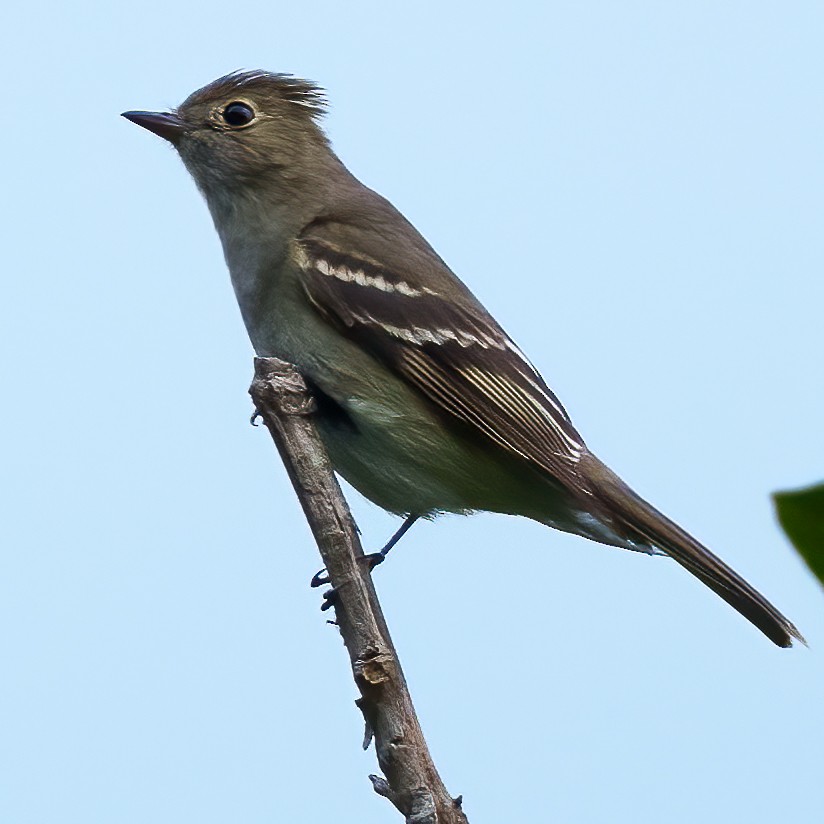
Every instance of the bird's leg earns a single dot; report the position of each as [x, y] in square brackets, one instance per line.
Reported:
[376, 558]
[321, 578]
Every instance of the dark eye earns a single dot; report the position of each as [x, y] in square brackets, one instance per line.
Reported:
[238, 114]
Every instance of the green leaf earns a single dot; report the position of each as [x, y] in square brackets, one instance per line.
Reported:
[801, 514]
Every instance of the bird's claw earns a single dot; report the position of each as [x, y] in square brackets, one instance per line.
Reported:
[330, 598]
[320, 578]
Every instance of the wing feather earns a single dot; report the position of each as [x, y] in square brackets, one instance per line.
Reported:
[450, 350]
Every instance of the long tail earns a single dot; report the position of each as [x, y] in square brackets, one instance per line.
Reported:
[632, 516]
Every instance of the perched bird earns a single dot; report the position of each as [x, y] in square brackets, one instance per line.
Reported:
[424, 402]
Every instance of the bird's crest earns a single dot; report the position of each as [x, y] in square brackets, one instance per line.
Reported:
[303, 93]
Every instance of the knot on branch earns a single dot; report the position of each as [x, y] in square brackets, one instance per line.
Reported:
[279, 384]
[417, 806]
[373, 667]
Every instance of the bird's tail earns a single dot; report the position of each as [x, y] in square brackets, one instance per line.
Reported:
[631, 515]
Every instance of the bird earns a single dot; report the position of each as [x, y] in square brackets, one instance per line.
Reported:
[423, 402]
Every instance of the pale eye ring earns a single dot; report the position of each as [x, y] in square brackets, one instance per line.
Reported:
[238, 114]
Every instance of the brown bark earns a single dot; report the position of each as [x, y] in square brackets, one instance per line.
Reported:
[411, 780]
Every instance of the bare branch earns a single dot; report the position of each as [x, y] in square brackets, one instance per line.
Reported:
[411, 780]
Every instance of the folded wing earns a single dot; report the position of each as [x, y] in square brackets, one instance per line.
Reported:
[452, 351]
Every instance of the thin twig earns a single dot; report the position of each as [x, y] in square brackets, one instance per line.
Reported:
[411, 780]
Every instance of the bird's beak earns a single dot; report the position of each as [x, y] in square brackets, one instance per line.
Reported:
[167, 125]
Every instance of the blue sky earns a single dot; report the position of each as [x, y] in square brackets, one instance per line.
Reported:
[636, 191]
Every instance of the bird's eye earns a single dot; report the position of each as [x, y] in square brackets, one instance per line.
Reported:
[238, 114]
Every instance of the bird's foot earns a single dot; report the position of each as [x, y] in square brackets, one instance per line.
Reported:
[374, 559]
[330, 598]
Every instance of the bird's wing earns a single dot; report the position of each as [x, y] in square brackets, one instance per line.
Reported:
[455, 354]
[449, 349]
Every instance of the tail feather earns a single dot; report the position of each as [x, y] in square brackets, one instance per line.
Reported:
[631, 515]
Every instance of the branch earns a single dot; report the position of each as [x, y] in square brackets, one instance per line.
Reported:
[412, 782]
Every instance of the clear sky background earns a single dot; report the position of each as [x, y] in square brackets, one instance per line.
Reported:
[636, 191]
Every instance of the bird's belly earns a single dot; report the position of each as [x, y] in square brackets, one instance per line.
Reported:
[399, 461]
[392, 445]
[408, 460]
[404, 457]
[382, 437]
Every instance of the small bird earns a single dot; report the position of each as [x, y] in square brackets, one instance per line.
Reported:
[424, 403]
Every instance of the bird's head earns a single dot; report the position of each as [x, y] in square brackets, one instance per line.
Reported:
[246, 130]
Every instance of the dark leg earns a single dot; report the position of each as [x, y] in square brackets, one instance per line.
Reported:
[375, 558]
[378, 557]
